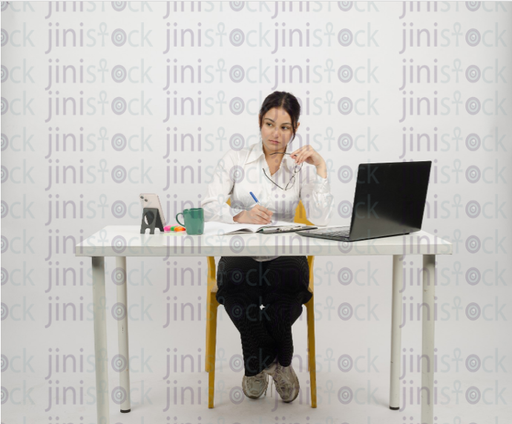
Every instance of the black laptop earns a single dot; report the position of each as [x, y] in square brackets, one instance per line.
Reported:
[389, 201]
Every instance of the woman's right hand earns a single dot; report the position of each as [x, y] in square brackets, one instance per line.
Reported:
[257, 215]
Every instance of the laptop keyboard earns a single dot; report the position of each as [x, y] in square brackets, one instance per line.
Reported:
[337, 231]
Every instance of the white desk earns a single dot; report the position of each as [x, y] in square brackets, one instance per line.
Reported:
[122, 241]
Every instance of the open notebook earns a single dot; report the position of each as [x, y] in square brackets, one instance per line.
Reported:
[215, 228]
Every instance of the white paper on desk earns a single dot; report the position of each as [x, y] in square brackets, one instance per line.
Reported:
[216, 228]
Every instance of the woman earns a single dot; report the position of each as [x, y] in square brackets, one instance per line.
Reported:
[263, 295]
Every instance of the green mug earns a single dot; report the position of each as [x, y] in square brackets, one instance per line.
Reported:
[194, 220]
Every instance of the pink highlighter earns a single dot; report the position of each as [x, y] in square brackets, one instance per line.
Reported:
[175, 228]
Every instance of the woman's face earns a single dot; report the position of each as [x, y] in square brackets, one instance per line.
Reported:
[276, 130]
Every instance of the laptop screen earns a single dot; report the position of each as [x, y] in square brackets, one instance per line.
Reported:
[389, 199]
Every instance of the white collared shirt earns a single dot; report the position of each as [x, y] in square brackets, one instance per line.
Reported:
[240, 172]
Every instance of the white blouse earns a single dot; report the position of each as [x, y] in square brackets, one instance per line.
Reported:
[240, 172]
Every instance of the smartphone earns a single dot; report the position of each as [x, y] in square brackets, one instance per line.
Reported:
[151, 200]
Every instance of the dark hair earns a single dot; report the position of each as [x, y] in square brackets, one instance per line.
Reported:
[282, 99]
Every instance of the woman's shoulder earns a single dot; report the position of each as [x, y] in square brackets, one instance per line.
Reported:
[229, 156]
[237, 155]
[235, 152]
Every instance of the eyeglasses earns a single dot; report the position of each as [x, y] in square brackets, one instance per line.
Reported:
[296, 170]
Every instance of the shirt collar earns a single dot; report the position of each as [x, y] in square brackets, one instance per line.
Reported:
[256, 153]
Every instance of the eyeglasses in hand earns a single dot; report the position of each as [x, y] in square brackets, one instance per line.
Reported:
[296, 170]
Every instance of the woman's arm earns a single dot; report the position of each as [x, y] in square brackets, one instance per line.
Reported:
[219, 190]
[315, 193]
[322, 170]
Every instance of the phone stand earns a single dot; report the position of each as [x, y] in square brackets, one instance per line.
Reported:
[151, 219]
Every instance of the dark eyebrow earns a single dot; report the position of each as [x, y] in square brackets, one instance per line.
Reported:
[286, 123]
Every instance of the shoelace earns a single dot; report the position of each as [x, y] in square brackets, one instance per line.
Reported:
[263, 377]
[281, 382]
[284, 381]
[272, 383]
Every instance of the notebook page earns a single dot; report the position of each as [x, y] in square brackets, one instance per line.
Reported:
[215, 228]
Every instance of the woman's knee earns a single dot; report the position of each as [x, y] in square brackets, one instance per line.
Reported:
[293, 272]
[233, 275]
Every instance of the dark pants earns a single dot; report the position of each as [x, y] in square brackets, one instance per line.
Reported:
[281, 287]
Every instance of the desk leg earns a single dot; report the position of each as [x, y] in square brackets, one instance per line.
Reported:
[100, 339]
[123, 363]
[427, 340]
[396, 333]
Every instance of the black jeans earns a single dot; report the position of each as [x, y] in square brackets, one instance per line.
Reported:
[281, 287]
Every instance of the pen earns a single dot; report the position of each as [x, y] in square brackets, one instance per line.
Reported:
[254, 197]
[256, 200]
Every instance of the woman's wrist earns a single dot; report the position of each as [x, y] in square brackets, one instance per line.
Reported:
[322, 170]
[237, 216]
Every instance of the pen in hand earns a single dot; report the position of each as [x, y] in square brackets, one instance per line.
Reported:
[257, 202]
[254, 197]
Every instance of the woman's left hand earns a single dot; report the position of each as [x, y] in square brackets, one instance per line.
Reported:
[309, 155]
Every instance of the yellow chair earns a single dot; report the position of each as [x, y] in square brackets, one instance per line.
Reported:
[211, 319]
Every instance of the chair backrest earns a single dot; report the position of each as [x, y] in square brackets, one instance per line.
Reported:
[300, 213]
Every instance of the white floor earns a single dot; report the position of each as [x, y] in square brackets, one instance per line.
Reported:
[170, 400]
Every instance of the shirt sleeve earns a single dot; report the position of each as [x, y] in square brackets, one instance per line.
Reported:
[315, 193]
[220, 189]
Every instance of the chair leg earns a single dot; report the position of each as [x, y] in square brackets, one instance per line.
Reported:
[211, 283]
[211, 348]
[208, 325]
[311, 348]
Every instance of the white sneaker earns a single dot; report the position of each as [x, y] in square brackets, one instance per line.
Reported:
[254, 386]
[272, 368]
[287, 383]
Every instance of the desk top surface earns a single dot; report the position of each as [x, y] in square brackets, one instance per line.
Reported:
[126, 240]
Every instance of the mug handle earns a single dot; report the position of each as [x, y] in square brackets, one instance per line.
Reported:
[181, 213]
